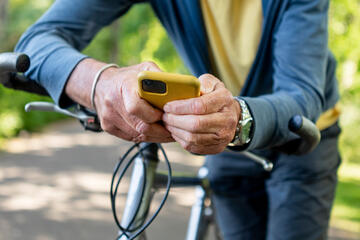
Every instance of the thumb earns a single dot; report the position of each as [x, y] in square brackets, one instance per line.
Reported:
[208, 83]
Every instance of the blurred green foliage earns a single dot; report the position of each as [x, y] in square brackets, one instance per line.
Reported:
[140, 37]
[344, 40]
[137, 37]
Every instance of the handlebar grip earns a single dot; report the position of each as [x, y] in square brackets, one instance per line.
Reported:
[10, 65]
[14, 62]
[309, 136]
[307, 130]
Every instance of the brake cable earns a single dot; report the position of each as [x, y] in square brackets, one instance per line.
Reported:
[115, 182]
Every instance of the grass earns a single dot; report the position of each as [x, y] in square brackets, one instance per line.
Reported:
[346, 211]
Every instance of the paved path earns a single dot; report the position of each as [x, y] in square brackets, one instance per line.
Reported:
[55, 186]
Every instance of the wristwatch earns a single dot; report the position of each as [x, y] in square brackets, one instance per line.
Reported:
[244, 127]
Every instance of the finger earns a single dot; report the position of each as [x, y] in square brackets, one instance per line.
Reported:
[204, 139]
[125, 133]
[212, 149]
[145, 128]
[110, 120]
[158, 139]
[125, 129]
[138, 107]
[137, 137]
[205, 104]
[120, 134]
[210, 123]
[151, 130]
[140, 137]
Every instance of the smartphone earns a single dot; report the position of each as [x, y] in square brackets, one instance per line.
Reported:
[158, 88]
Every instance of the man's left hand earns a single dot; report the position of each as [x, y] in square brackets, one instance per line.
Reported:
[206, 124]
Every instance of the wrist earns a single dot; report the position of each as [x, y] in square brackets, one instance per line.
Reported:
[79, 83]
[100, 81]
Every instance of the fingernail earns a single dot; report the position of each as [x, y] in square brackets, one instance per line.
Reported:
[166, 108]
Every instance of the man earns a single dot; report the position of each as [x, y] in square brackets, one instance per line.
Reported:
[272, 52]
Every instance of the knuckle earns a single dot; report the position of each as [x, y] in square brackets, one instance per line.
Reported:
[198, 106]
[142, 127]
[227, 96]
[132, 109]
[147, 65]
[108, 103]
[107, 127]
[222, 86]
[232, 122]
[206, 76]
[188, 147]
[106, 119]
[216, 138]
[222, 134]
[139, 138]
[229, 137]
[191, 139]
[126, 137]
[196, 124]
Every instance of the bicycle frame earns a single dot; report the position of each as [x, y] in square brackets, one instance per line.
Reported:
[201, 213]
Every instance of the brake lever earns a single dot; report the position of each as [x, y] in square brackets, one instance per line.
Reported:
[87, 119]
[266, 164]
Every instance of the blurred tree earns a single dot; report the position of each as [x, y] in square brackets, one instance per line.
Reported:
[3, 19]
[114, 41]
[344, 39]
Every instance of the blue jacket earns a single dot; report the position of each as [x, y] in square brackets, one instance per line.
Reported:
[293, 72]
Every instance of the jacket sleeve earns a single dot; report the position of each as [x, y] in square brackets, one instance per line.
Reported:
[299, 58]
[54, 42]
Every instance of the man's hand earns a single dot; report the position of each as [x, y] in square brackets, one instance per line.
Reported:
[121, 111]
[207, 124]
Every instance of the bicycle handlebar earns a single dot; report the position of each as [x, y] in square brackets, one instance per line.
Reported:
[12, 63]
[309, 136]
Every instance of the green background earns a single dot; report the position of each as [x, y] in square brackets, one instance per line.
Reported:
[139, 37]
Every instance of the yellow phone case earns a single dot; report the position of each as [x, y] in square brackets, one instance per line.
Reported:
[178, 86]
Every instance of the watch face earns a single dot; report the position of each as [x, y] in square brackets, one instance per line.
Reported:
[242, 135]
[245, 131]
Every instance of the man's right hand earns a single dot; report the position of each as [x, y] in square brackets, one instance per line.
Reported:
[121, 111]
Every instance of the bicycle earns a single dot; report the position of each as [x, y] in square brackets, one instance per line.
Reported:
[145, 179]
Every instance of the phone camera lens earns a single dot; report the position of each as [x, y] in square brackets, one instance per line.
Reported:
[148, 82]
[153, 86]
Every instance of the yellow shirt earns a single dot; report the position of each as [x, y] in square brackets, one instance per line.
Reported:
[234, 31]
